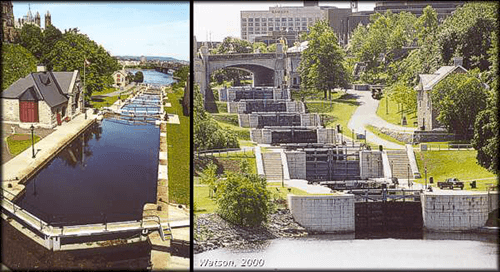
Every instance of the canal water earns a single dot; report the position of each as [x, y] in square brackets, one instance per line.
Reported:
[426, 251]
[154, 77]
[106, 174]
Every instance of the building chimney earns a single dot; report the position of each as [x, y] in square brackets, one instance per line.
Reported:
[41, 68]
[458, 61]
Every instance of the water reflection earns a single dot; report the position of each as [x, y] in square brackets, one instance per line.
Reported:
[105, 175]
[154, 77]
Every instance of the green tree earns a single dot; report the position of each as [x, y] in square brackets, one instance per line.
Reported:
[209, 177]
[207, 133]
[427, 25]
[69, 54]
[259, 47]
[404, 95]
[17, 62]
[322, 63]
[32, 39]
[51, 35]
[486, 134]
[458, 99]
[468, 33]
[233, 45]
[243, 199]
[139, 77]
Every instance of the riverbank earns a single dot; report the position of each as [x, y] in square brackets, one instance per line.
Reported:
[212, 232]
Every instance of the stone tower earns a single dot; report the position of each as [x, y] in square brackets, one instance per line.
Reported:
[8, 33]
[37, 19]
[48, 20]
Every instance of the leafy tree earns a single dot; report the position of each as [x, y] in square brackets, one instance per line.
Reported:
[182, 73]
[486, 134]
[243, 199]
[426, 25]
[32, 39]
[51, 35]
[234, 45]
[322, 63]
[404, 95]
[207, 133]
[259, 47]
[17, 62]
[69, 54]
[139, 77]
[209, 177]
[468, 33]
[458, 99]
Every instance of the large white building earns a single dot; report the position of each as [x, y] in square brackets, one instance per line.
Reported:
[291, 19]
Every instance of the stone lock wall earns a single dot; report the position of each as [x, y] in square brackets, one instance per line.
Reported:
[454, 211]
[261, 136]
[324, 213]
[296, 161]
[10, 110]
[326, 135]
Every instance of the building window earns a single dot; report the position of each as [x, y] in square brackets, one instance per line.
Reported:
[250, 19]
[257, 19]
[264, 19]
[257, 24]
[264, 24]
[270, 29]
[243, 19]
[297, 19]
[250, 24]
[270, 20]
[304, 19]
[290, 24]
[250, 29]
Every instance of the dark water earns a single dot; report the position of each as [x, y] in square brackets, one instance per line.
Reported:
[431, 251]
[107, 174]
[153, 77]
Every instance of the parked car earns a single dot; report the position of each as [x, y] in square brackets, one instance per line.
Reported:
[451, 183]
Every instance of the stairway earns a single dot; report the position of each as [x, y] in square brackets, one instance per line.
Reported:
[399, 161]
[272, 165]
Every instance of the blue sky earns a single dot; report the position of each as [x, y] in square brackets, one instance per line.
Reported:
[216, 20]
[131, 28]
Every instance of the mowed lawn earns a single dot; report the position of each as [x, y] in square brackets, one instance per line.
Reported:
[388, 110]
[17, 143]
[179, 150]
[454, 164]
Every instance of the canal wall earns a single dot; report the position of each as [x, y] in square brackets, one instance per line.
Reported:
[323, 213]
[455, 211]
[388, 216]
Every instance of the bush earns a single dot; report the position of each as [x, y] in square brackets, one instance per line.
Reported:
[243, 199]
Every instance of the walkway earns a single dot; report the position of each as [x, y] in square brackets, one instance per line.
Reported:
[366, 114]
[23, 165]
[125, 89]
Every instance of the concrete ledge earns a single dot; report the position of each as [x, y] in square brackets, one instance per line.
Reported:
[259, 162]
[413, 161]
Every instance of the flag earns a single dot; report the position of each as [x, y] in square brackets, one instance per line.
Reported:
[87, 63]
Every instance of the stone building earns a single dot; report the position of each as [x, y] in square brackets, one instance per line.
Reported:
[9, 33]
[426, 114]
[44, 99]
[119, 78]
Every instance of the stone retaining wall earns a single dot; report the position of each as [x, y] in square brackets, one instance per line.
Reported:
[454, 211]
[296, 164]
[324, 213]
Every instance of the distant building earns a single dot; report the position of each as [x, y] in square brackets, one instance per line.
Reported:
[119, 78]
[143, 59]
[45, 99]
[9, 33]
[290, 22]
[426, 114]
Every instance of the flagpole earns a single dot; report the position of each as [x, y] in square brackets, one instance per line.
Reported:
[84, 86]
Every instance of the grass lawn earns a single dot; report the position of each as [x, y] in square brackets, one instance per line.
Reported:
[105, 102]
[394, 114]
[18, 146]
[377, 132]
[449, 164]
[340, 111]
[105, 91]
[228, 118]
[221, 106]
[179, 140]
[241, 133]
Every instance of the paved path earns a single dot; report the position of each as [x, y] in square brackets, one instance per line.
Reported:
[366, 114]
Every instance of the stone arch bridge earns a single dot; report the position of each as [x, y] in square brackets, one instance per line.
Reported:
[278, 69]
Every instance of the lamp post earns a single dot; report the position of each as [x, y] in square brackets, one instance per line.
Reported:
[32, 141]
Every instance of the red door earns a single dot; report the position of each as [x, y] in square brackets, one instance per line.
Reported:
[28, 111]
[59, 122]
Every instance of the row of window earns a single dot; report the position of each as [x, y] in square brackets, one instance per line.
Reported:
[263, 29]
[297, 19]
[273, 24]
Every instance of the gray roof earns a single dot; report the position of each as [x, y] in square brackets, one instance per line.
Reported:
[439, 75]
[45, 88]
[64, 80]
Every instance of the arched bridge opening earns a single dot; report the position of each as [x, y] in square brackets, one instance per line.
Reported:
[261, 75]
